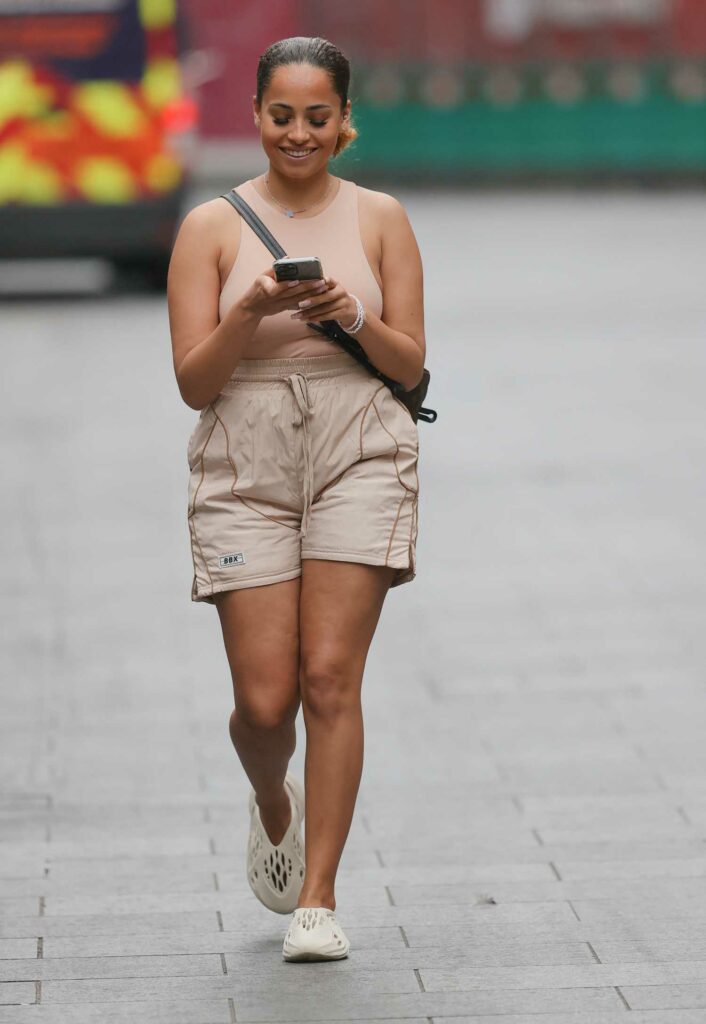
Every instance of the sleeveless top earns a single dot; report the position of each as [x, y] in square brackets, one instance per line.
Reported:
[334, 236]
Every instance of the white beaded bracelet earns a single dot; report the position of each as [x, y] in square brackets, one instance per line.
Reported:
[359, 320]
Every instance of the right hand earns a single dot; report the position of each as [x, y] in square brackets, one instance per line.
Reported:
[267, 296]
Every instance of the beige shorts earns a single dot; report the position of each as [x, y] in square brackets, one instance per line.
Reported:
[310, 457]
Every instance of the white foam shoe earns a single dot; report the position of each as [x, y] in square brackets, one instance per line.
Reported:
[315, 933]
[276, 873]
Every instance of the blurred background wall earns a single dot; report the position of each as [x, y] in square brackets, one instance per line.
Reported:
[111, 109]
[464, 88]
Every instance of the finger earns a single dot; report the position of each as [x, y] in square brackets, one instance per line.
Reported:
[299, 289]
[315, 301]
[326, 311]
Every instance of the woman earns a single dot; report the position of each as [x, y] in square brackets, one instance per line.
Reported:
[303, 485]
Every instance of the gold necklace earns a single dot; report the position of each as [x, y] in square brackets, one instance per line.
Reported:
[289, 212]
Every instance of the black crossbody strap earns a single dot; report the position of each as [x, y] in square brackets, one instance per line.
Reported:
[331, 328]
[248, 214]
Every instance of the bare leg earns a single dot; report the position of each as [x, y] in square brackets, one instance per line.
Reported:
[261, 635]
[340, 605]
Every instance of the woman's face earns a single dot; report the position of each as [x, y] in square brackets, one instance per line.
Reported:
[300, 111]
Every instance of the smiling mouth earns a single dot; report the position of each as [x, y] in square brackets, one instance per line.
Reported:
[297, 154]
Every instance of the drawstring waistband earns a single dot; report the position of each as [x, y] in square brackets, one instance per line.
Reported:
[302, 414]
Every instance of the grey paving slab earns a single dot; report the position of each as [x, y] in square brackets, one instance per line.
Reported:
[666, 996]
[152, 966]
[610, 1017]
[11, 949]
[96, 924]
[534, 704]
[563, 976]
[262, 1008]
[247, 942]
[207, 1011]
[17, 992]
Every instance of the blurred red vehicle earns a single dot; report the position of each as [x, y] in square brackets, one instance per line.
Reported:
[95, 130]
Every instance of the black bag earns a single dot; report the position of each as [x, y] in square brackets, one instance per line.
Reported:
[411, 399]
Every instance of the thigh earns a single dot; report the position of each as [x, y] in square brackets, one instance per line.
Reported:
[261, 635]
[340, 605]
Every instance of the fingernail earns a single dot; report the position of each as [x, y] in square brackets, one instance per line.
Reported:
[304, 302]
[291, 284]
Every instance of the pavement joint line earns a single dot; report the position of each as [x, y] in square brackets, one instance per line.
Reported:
[555, 869]
[42, 904]
[215, 882]
[593, 953]
[381, 862]
[223, 963]
[37, 992]
[573, 910]
[40, 947]
[366, 824]
[514, 799]
[389, 896]
[622, 997]
[231, 1007]
[418, 976]
[219, 916]
[537, 836]
[212, 846]
[404, 936]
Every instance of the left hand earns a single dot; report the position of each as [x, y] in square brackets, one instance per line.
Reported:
[332, 304]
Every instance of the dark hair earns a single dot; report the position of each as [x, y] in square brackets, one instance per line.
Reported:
[320, 53]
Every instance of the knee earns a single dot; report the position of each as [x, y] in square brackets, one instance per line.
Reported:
[262, 713]
[327, 687]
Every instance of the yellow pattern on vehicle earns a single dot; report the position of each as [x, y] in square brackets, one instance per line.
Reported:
[155, 14]
[161, 82]
[20, 95]
[26, 180]
[110, 107]
[105, 180]
[162, 173]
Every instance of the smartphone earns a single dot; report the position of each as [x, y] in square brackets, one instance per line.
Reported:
[298, 268]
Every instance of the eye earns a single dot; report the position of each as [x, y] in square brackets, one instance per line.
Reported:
[283, 120]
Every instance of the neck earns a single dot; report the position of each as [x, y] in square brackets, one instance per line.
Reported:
[297, 193]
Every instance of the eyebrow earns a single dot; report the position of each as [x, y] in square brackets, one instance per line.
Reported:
[312, 106]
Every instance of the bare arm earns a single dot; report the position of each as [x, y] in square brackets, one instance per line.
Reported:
[395, 342]
[205, 352]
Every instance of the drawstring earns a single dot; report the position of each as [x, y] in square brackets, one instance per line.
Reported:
[302, 413]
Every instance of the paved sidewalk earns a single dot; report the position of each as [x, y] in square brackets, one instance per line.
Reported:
[528, 845]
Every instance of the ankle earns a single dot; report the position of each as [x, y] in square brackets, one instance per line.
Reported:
[313, 899]
[274, 806]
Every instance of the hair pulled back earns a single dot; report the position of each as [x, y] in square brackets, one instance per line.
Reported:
[320, 53]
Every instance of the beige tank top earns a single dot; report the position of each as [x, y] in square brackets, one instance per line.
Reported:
[334, 236]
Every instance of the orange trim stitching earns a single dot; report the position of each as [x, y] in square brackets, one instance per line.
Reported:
[273, 519]
[394, 528]
[365, 413]
[397, 448]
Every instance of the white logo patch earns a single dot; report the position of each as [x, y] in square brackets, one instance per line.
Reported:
[237, 558]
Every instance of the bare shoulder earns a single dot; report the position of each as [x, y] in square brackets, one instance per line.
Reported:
[207, 219]
[380, 204]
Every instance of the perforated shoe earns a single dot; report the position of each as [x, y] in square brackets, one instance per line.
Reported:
[276, 873]
[315, 933]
